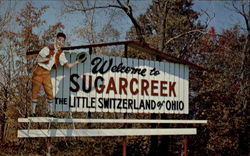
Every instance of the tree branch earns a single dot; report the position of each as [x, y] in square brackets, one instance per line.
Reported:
[177, 36]
[126, 8]
[72, 8]
[243, 14]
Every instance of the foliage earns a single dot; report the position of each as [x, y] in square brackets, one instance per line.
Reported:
[216, 91]
[220, 95]
[169, 26]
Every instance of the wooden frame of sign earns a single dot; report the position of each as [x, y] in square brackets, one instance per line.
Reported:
[143, 87]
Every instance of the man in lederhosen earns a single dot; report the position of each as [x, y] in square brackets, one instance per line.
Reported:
[49, 58]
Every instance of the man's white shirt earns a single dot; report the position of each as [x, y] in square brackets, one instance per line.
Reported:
[45, 52]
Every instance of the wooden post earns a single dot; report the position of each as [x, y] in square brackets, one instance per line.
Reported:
[153, 139]
[124, 141]
[49, 146]
[124, 146]
[185, 145]
[89, 113]
[90, 50]
[89, 117]
[126, 51]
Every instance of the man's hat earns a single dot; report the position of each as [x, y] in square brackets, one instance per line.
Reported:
[81, 57]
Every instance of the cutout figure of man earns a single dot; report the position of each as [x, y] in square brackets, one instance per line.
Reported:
[48, 58]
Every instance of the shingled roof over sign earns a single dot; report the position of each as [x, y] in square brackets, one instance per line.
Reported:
[143, 47]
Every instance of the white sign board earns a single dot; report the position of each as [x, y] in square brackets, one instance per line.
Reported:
[115, 84]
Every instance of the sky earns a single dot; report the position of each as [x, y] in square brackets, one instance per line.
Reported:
[223, 18]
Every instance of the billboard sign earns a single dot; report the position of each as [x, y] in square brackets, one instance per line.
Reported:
[122, 85]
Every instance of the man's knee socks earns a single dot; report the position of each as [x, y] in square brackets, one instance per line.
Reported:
[50, 106]
[34, 103]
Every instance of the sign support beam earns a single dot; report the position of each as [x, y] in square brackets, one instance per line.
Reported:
[185, 146]
[78, 120]
[34, 133]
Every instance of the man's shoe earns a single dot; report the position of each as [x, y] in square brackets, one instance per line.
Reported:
[52, 116]
[33, 115]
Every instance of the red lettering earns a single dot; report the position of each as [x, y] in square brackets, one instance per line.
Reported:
[100, 88]
[162, 88]
[144, 86]
[123, 82]
[134, 92]
[136, 86]
[111, 86]
[153, 87]
[172, 88]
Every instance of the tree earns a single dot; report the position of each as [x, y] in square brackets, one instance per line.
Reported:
[16, 69]
[5, 18]
[170, 26]
[244, 91]
[215, 94]
[89, 8]
[6, 64]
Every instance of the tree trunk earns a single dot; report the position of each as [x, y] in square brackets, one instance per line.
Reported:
[3, 116]
[163, 28]
[245, 89]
